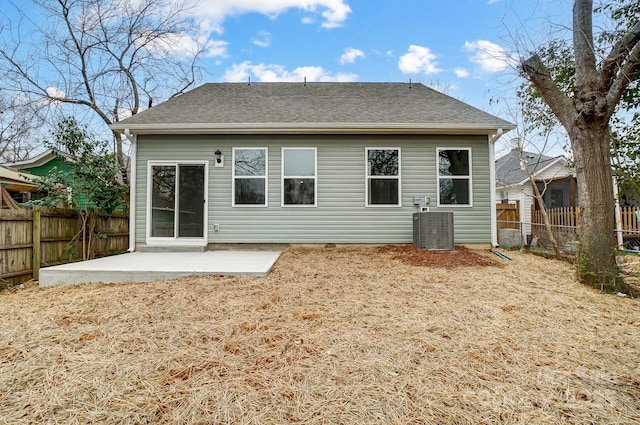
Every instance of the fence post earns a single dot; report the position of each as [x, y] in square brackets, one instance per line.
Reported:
[35, 257]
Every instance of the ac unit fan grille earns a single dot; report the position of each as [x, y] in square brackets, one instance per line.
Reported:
[433, 230]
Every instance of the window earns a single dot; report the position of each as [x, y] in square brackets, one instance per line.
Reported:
[250, 176]
[454, 177]
[557, 198]
[383, 176]
[299, 176]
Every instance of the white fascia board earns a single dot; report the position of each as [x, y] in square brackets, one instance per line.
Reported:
[37, 160]
[509, 187]
[305, 128]
[552, 163]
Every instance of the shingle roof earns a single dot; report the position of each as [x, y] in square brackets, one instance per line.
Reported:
[510, 172]
[300, 105]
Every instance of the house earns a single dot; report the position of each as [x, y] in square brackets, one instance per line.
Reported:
[309, 163]
[14, 183]
[555, 180]
[40, 165]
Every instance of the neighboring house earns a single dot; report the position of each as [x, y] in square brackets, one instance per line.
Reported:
[554, 179]
[40, 165]
[13, 184]
[309, 163]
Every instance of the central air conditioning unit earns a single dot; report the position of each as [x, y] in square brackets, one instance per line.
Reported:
[433, 230]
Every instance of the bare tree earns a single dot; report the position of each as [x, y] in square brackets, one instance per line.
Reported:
[542, 143]
[585, 113]
[110, 57]
[538, 196]
[19, 126]
[529, 163]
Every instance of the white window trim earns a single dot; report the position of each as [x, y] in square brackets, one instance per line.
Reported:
[315, 178]
[367, 177]
[469, 178]
[175, 240]
[234, 177]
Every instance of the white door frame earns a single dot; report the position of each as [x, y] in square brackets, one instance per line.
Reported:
[175, 240]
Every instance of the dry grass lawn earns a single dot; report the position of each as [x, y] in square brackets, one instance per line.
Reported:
[345, 335]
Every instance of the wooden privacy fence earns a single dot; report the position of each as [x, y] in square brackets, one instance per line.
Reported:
[630, 221]
[508, 216]
[565, 216]
[45, 237]
[566, 221]
[569, 217]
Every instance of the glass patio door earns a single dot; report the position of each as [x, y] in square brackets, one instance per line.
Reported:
[177, 201]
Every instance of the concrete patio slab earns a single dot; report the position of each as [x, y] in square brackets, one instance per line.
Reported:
[150, 266]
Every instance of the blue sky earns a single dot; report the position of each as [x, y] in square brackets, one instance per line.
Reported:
[466, 48]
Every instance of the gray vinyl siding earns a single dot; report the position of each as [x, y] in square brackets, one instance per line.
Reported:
[340, 215]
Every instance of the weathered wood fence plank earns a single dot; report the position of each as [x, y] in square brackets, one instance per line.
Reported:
[566, 221]
[30, 239]
[35, 256]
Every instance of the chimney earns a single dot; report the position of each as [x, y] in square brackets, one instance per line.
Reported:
[516, 144]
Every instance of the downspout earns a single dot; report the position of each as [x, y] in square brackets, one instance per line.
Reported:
[618, 216]
[133, 161]
[492, 185]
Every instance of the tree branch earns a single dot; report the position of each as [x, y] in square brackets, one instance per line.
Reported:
[584, 52]
[619, 52]
[624, 77]
[539, 75]
[79, 50]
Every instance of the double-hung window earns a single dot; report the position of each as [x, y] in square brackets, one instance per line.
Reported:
[454, 177]
[250, 176]
[383, 176]
[299, 182]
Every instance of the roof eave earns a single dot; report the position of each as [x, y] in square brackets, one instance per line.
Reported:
[310, 128]
[38, 160]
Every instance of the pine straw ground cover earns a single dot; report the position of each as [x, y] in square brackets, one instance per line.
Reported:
[346, 335]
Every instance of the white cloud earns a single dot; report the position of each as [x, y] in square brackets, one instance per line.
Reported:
[55, 93]
[492, 1]
[350, 55]
[418, 60]
[333, 12]
[215, 48]
[262, 39]
[278, 73]
[54, 96]
[489, 56]
[461, 73]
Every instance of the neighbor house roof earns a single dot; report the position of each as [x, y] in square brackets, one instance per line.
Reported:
[38, 160]
[509, 171]
[17, 181]
[312, 107]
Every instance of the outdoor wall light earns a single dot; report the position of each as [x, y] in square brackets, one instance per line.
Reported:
[219, 162]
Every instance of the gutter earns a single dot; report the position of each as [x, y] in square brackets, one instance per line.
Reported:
[311, 128]
[133, 159]
[492, 139]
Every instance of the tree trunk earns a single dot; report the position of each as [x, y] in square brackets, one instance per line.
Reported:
[596, 252]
